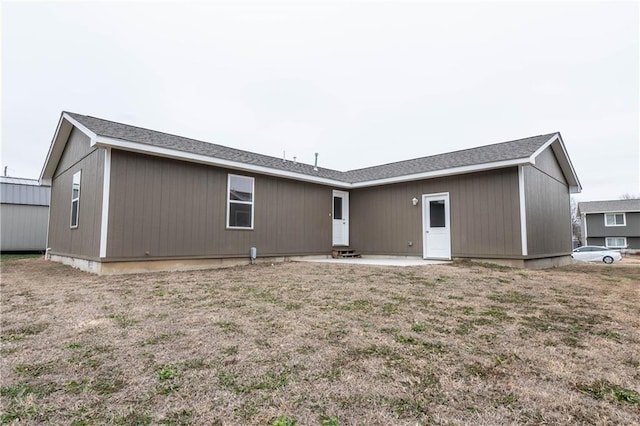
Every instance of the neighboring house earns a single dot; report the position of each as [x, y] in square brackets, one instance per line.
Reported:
[126, 198]
[24, 213]
[614, 224]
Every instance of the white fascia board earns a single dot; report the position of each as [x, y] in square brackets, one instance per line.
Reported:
[574, 189]
[80, 127]
[577, 186]
[56, 148]
[45, 179]
[543, 147]
[204, 159]
[444, 172]
[612, 211]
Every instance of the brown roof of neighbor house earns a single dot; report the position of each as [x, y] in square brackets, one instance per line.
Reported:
[512, 150]
[632, 205]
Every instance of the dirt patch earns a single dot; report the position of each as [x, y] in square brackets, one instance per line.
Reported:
[321, 344]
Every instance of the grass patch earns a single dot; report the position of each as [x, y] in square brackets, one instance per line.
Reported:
[514, 297]
[17, 334]
[250, 344]
[602, 389]
[228, 327]
[418, 327]
[122, 320]
[284, 421]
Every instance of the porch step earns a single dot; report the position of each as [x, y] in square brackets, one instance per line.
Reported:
[344, 253]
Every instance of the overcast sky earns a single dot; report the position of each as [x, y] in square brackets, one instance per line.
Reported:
[362, 83]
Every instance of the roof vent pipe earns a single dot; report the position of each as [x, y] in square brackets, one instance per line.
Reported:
[315, 166]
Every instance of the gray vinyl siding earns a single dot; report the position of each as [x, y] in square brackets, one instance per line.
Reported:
[595, 241]
[596, 228]
[23, 227]
[633, 243]
[548, 213]
[83, 241]
[174, 209]
[484, 209]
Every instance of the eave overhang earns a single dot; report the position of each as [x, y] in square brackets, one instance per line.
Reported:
[557, 145]
[66, 124]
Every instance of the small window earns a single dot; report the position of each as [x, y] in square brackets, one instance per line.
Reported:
[615, 219]
[337, 208]
[75, 199]
[437, 214]
[616, 242]
[240, 202]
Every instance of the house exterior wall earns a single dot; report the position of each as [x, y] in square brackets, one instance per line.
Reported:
[23, 227]
[83, 241]
[484, 209]
[174, 209]
[596, 228]
[633, 243]
[548, 208]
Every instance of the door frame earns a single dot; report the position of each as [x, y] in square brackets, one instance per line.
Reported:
[447, 217]
[345, 214]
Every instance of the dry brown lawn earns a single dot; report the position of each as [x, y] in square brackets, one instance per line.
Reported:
[321, 344]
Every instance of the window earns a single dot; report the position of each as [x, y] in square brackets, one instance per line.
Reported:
[437, 214]
[337, 208]
[75, 199]
[240, 202]
[614, 219]
[616, 242]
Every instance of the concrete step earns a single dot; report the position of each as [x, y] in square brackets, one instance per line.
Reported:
[344, 253]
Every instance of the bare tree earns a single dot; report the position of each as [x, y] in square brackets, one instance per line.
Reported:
[576, 221]
[628, 196]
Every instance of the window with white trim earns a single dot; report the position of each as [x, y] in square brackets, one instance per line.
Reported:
[75, 199]
[616, 242]
[240, 202]
[615, 219]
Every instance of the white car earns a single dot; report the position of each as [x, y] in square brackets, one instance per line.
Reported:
[596, 254]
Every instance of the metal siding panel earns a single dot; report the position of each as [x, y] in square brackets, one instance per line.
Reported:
[24, 194]
[23, 227]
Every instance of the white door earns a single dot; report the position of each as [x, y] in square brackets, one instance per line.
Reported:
[340, 218]
[436, 226]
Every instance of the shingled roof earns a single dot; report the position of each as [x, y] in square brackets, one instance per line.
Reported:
[609, 206]
[126, 132]
[500, 152]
